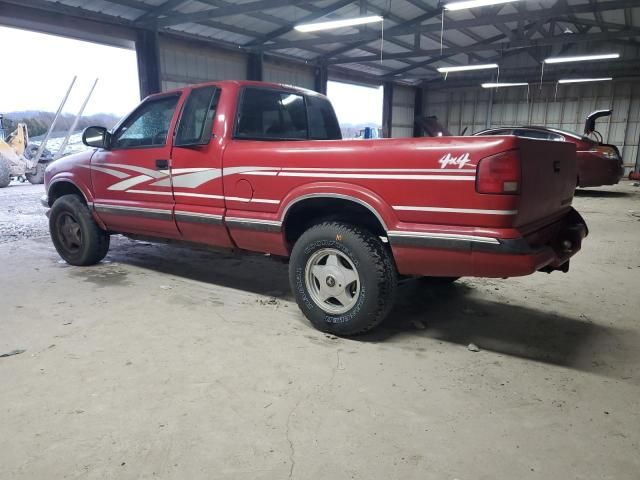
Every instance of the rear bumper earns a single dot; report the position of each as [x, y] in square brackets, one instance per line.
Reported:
[546, 249]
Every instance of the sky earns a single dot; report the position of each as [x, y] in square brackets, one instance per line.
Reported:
[38, 68]
[44, 65]
[356, 104]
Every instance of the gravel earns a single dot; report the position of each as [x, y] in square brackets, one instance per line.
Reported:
[21, 215]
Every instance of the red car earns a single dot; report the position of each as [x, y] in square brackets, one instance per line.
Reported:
[598, 163]
[262, 167]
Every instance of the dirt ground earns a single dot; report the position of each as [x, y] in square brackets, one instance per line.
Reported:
[164, 362]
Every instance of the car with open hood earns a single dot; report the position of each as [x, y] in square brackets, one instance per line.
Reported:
[598, 163]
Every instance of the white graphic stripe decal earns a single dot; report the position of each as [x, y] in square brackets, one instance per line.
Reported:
[380, 177]
[108, 171]
[145, 171]
[198, 195]
[456, 210]
[129, 182]
[374, 170]
[190, 180]
[252, 200]
[149, 192]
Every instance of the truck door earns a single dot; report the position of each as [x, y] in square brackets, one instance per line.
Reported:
[132, 179]
[196, 170]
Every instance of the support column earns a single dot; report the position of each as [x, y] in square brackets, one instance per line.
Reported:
[321, 77]
[418, 107]
[254, 66]
[489, 119]
[387, 109]
[148, 55]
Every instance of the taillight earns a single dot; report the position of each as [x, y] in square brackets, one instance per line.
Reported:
[606, 151]
[499, 173]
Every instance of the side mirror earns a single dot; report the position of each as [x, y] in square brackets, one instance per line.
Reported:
[97, 137]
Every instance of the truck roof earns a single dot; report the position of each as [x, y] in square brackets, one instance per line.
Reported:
[243, 83]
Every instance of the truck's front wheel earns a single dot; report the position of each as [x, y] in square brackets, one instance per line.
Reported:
[75, 234]
[343, 277]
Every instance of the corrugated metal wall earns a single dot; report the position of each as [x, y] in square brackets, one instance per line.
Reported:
[567, 108]
[183, 63]
[289, 74]
[402, 111]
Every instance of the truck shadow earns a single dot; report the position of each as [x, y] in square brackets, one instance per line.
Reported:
[458, 314]
[581, 192]
[455, 313]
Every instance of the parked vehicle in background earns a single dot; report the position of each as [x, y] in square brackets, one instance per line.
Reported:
[17, 156]
[369, 133]
[598, 163]
[262, 167]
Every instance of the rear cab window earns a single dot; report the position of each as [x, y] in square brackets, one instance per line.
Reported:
[196, 119]
[271, 114]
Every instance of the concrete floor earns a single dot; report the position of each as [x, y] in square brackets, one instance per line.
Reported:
[163, 362]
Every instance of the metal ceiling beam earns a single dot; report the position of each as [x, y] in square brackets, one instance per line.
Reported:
[615, 68]
[233, 9]
[498, 46]
[160, 10]
[306, 19]
[414, 26]
[436, 58]
[77, 12]
[557, 40]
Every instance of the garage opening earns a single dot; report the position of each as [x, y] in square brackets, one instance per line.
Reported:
[358, 107]
[36, 80]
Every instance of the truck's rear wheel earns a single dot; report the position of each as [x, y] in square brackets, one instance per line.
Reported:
[75, 234]
[343, 277]
[5, 172]
[37, 177]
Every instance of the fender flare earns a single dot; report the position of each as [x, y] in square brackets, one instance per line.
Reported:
[344, 191]
[86, 193]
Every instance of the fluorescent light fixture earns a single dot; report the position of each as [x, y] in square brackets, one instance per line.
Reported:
[501, 85]
[467, 67]
[583, 80]
[349, 22]
[474, 4]
[582, 58]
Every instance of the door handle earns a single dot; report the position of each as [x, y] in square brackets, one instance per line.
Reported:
[162, 164]
[556, 166]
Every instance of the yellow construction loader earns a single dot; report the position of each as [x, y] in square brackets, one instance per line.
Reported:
[18, 158]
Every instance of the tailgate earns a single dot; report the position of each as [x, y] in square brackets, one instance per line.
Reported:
[549, 176]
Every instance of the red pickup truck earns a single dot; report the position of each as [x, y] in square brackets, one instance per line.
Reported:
[262, 167]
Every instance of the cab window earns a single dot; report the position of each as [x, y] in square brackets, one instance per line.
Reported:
[196, 121]
[271, 115]
[148, 126]
[323, 124]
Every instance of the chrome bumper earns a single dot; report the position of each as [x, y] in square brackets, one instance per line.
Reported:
[44, 201]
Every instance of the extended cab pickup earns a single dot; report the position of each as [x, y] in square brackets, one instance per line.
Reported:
[262, 167]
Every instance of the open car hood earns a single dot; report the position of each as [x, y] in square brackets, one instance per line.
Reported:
[590, 122]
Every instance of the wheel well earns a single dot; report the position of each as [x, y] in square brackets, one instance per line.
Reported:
[59, 189]
[312, 211]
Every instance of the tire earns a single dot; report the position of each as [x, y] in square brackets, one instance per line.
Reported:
[75, 234]
[338, 252]
[5, 172]
[38, 177]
